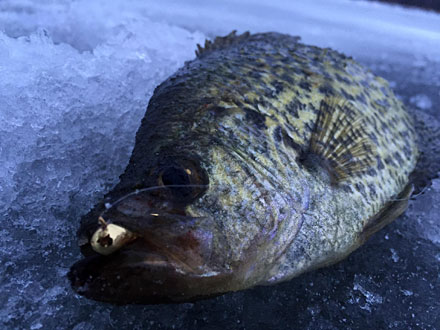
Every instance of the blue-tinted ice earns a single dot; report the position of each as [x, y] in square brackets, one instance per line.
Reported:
[75, 79]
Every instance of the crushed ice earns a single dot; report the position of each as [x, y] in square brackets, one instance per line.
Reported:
[68, 117]
[75, 79]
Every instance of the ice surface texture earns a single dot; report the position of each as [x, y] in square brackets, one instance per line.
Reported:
[75, 79]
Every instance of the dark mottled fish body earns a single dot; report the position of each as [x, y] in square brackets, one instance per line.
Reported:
[292, 156]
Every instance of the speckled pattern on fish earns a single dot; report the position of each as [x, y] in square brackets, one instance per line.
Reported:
[306, 154]
[267, 92]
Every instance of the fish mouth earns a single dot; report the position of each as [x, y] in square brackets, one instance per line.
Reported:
[134, 275]
[170, 256]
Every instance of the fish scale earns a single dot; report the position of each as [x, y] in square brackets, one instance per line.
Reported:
[305, 117]
[341, 74]
[303, 153]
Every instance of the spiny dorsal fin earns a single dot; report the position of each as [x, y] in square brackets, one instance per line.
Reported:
[221, 42]
[341, 141]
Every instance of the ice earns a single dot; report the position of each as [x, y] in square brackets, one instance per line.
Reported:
[427, 212]
[370, 297]
[421, 101]
[407, 292]
[75, 79]
[68, 120]
[394, 255]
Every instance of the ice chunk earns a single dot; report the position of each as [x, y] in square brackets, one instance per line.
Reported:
[394, 255]
[407, 292]
[421, 101]
[363, 285]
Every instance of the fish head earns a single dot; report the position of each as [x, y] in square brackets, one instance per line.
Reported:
[197, 213]
[198, 227]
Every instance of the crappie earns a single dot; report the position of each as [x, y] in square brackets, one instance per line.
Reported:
[261, 159]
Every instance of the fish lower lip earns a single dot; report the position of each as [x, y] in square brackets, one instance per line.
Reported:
[123, 279]
[116, 266]
[120, 260]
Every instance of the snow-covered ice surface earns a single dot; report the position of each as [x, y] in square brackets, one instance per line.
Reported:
[75, 79]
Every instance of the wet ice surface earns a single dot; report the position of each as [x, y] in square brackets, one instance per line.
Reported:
[73, 95]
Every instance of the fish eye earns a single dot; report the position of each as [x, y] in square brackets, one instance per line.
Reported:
[185, 180]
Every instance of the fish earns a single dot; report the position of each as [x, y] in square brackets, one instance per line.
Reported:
[261, 159]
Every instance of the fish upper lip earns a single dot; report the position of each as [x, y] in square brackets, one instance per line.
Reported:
[138, 226]
[153, 249]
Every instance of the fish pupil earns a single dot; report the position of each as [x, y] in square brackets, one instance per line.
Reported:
[176, 176]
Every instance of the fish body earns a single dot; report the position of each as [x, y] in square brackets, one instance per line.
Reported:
[259, 160]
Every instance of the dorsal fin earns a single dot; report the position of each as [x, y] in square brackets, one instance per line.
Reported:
[221, 42]
[341, 141]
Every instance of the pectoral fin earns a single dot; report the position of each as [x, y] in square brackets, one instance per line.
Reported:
[340, 140]
[387, 214]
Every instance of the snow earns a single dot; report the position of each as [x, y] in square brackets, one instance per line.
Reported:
[75, 79]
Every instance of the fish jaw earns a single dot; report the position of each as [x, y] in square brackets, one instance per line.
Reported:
[134, 277]
[157, 267]
[171, 256]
